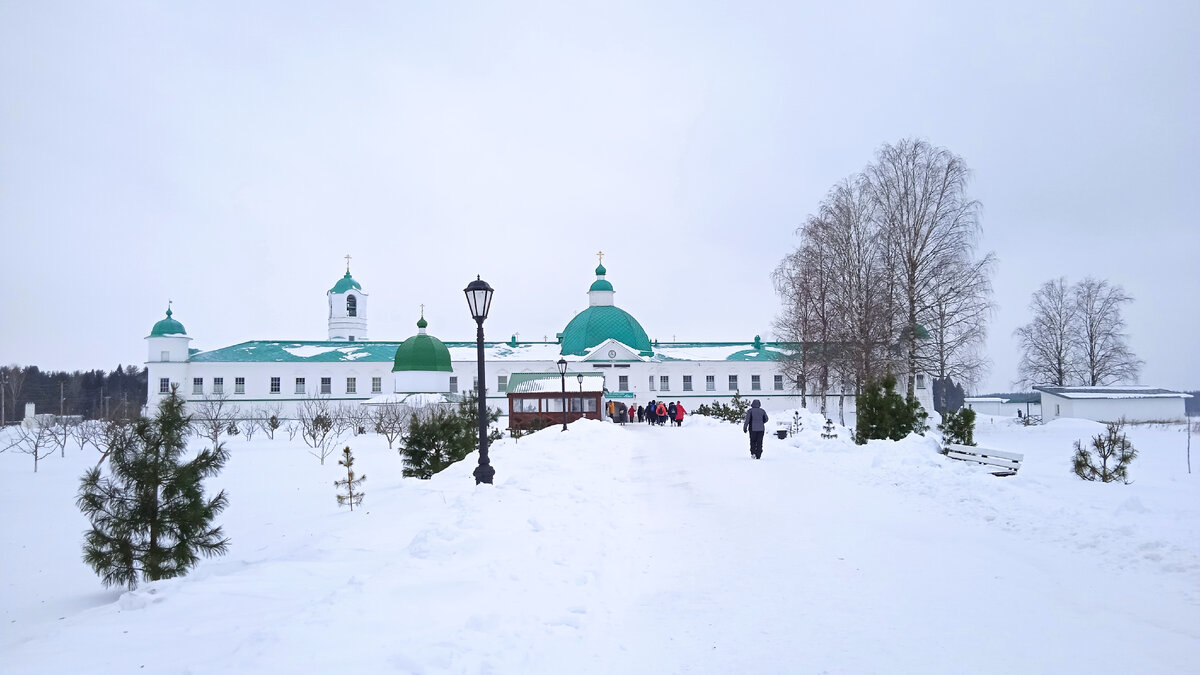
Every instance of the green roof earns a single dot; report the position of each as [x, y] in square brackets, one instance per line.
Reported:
[600, 271]
[345, 283]
[422, 352]
[602, 322]
[600, 285]
[167, 326]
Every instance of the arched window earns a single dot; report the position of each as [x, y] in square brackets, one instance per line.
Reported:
[351, 305]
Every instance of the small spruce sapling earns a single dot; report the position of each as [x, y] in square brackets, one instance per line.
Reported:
[1114, 451]
[797, 424]
[829, 431]
[353, 496]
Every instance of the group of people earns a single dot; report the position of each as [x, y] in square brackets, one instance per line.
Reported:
[660, 413]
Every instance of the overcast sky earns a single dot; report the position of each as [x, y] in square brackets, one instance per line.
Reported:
[227, 155]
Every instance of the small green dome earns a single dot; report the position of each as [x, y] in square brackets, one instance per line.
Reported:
[167, 326]
[600, 285]
[345, 283]
[602, 322]
[600, 271]
[422, 352]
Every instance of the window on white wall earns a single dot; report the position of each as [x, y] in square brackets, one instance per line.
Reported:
[376, 385]
[664, 383]
[299, 385]
[710, 383]
[351, 385]
[197, 386]
[778, 383]
[501, 383]
[351, 305]
[239, 385]
[687, 382]
[326, 385]
[651, 383]
[275, 386]
[218, 385]
[733, 383]
[164, 385]
[453, 384]
[622, 383]
[920, 381]
[166, 356]
[755, 383]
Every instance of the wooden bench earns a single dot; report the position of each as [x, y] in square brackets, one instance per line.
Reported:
[1008, 462]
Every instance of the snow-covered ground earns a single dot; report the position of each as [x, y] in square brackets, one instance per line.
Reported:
[611, 549]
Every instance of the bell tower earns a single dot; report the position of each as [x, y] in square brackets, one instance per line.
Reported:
[347, 309]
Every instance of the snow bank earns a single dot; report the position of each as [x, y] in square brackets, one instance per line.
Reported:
[638, 550]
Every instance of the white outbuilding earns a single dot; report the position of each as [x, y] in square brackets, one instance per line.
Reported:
[1005, 405]
[1109, 404]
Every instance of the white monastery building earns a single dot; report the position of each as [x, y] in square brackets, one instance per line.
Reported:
[349, 368]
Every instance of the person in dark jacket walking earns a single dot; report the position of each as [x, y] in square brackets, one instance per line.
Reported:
[671, 413]
[756, 424]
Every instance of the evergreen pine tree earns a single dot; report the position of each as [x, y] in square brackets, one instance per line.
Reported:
[150, 519]
[1111, 447]
[884, 413]
[958, 427]
[437, 438]
[351, 498]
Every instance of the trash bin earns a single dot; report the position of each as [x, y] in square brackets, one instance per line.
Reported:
[781, 433]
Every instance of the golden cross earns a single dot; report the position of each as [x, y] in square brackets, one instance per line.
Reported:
[422, 311]
[601, 254]
[347, 262]
[517, 336]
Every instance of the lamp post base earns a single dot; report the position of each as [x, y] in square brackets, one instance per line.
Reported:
[484, 473]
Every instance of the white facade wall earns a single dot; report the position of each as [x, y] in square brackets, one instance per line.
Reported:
[1112, 409]
[997, 408]
[256, 392]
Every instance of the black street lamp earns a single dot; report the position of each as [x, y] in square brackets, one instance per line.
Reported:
[579, 379]
[479, 299]
[562, 371]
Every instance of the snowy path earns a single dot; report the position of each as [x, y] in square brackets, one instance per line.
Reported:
[639, 550]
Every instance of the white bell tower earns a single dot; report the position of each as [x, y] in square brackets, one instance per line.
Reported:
[347, 309]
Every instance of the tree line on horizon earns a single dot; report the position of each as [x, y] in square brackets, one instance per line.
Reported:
[91, 394]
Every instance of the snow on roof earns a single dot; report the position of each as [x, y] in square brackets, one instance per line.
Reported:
[1019, 397]
[718, 351]
[266, 351]
[552, 383]
[1133, 391]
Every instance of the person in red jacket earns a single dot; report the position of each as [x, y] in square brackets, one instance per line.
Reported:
[679, 413]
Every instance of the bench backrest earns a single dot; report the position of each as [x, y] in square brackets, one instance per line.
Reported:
[971, 453]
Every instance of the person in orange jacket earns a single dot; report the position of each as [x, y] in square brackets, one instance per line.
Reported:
[679, 413]
[661, 411]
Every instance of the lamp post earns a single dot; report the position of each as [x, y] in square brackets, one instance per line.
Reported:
[579, 379]
[479, 300]
[562, 371]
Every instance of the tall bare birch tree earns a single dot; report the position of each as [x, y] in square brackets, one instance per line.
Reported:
[921, 201]
[1047, 341]
[960, 306]
[1102, 346]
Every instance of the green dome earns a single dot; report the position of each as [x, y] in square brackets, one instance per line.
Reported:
[602, 322]
[600, 271]
[167, 326]
[422, 352]
[600, 285]
[345, 283]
